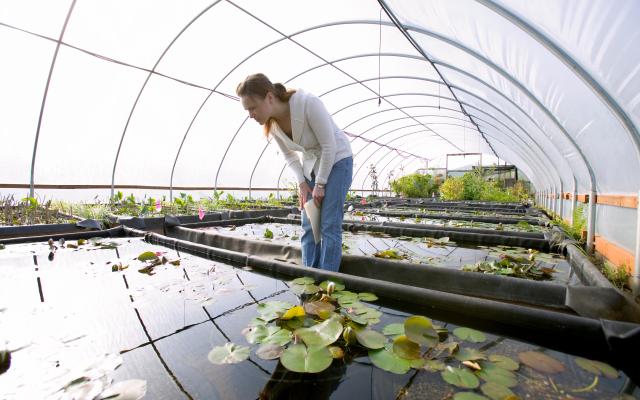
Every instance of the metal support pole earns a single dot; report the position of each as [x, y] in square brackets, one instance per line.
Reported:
[574, 200]
[561, 202]
[591, 222]
[634, 280]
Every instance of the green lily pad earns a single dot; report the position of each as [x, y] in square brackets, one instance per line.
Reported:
[230, 353]
[434, 365]
[322, 309]
[405, 348]
[365, 296]
[305, 289]
[541, 362]
[370, 338]
[420, 330]
[496, 391]
[338, 285]
[492, 373]
[271, 310]
[468, 396]
[597, 367]
[336, 352]
[322, 334]
[305, 280]
[418, 363]
[300, 358]
[355, 318]
[466, 354]
[2, 246]
[268, 234]
[470, 335]
[389, 361]
[460, 377]
[504, 362]
[393, 329]
[148, 256]
[268, 335]
[255, 321]
[269, 351]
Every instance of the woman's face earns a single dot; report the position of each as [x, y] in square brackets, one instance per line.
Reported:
[259, 109]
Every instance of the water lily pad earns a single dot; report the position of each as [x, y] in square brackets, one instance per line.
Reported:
[420, 330]
[466, 354]
[133, 389]
[322, 309]
[300, 358]
[541, 362]
[371, 339]
[293, 312]
[268, 234]
[230, 353]
[468, 396]
[305, 289]
[268, 335]
[336, 352]
[271, 310]
[449, 347]
[305, 280]
[504, 362]
[470, 335]
[365, 296]
[597, 367]
[338, 286]
[148, 256]
[389, 361]
[492, 373]
[496, 391]
[434, 365]
[269, 351]
[405, 348]
[393, 329]
[322, 334]
[460, 377]
[418, 363]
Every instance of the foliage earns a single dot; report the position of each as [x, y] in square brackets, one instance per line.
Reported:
[618, 276]
[517, 267]
[473, 186]
[414, 185]
[31, 210]
[579, 223]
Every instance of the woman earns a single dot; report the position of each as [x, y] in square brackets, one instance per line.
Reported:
[299, 123]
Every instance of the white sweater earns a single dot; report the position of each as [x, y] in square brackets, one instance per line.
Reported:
[315, 135]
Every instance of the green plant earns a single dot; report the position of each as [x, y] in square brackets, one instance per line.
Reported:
[452, 189]
[414, 185]
[618, 276]
[473, 186]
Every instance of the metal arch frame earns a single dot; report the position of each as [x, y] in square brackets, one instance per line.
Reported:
[144, 85]
[596, 87]
[44, 99]
[466, 91]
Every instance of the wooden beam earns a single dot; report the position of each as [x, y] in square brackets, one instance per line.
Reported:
[618, 200]
[614, 253]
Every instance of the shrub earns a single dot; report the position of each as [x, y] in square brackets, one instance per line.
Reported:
[414, 185]
[452, 189]
[473, 186]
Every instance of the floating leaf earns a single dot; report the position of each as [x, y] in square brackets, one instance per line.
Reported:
[271, 310]
[541, 362]
[496, 391]
[268, 335]
[468, 396]
[148, 256]
[230, 353]
[322, 309]
[434, 365]
[491, 373]
[597, 367]
[391, 254]
[471, 365]
[293, 312]
[504, 362]
[367, 296]
[133, 389]
[268, 234]
[405, 348]
[470, 335]
[322, 334]
[305, 289]
[5, 361]
[336, 352]
[82, 241]
[269, 351]
[466, 354]
[393, 329]
[370, 338]
[305, 280]
[450, 347]
[338, 285]
[420, 330]
[460, 377]
[300, 358]
[354, 317]
[589, 387]
[419, 363]
[389, 361]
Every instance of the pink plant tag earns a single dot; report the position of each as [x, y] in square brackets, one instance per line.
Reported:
[158, 205]
[363, 201]
[200, 213]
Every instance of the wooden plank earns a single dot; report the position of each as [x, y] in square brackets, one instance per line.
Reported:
[582, 198]
[614, 253]
[618, 200]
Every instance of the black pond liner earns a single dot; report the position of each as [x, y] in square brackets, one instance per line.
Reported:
[48, 229]
[614, 341]
[474, 218]
[597, 302]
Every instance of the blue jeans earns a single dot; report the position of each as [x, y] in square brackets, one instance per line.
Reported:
[328, 253]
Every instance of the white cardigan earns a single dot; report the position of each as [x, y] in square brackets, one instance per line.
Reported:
[315, 135]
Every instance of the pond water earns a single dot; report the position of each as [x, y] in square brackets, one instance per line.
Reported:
[89, 312]
[416, 250]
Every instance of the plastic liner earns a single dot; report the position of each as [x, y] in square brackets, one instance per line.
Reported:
[112, 232]
[45, 229]
[601, 303]
[475, 218]
[615, 341]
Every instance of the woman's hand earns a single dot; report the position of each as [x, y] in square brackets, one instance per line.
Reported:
[304, 191]
[318, 195]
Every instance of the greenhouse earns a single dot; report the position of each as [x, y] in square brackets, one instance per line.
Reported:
[242, 199]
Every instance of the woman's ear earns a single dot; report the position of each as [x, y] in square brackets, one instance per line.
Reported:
[270, 98]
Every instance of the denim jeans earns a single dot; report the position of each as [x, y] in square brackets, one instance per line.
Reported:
[328, 253]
